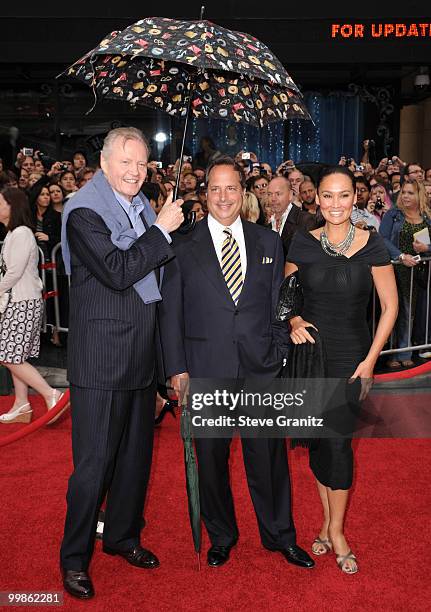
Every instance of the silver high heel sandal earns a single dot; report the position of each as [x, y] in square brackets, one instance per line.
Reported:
[53, 402]
[22, 414]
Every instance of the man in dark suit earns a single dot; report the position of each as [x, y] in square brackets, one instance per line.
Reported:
[115, 248]
[287, 217]
[223, 289]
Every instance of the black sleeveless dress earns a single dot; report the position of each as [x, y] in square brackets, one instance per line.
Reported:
[336, 294]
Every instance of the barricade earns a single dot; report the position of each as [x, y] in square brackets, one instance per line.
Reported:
[42, 269]
[425, 261]
[54, 294]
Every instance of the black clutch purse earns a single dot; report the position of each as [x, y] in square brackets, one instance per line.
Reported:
[290, 299]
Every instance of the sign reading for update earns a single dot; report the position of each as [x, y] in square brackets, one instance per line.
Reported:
[342, 31]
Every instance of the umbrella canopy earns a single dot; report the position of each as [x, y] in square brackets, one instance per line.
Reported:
[173, 65]
[199, 43]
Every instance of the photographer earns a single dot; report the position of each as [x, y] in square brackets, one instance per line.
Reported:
[295, 178]
[369, 150]
[361, 217]
[382, 201]
[266, 169]
[24, 160]
[57, 168]
[394, 165]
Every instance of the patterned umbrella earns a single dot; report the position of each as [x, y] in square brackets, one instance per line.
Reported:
[180, 65]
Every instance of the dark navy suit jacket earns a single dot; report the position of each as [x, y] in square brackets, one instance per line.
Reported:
[203, 332]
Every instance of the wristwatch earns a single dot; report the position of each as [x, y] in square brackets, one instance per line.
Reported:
[401, 256]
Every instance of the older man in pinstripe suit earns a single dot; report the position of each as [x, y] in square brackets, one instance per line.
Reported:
[115, 249]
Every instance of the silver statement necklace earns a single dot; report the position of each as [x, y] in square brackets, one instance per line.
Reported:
[337, 250]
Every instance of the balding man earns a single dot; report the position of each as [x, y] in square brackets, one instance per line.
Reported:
[295, 177]
[287, 217]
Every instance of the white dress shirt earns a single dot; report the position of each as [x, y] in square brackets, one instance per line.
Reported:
[218, 237]
[283, 219]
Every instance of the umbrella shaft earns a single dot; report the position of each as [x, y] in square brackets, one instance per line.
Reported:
[186, 124]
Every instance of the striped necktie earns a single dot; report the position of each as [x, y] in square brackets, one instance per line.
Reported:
[231, 265]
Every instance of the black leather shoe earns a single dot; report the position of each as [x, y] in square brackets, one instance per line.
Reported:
[218, 555]
[78, 584]
[294, 554]
[137, 556]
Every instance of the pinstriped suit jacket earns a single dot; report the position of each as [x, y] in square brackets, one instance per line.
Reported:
[111, 330]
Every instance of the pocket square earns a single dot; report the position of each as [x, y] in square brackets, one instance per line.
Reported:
[267, 260]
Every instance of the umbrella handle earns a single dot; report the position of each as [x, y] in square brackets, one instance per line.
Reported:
[188, 223]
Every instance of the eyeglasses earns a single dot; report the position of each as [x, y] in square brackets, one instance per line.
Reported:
[262, 186]
[361, 190]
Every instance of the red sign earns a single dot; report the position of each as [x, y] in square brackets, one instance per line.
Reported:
[342, 31]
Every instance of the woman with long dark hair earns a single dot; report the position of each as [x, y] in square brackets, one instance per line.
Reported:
[57, 196]
[46, 220]
[47, 223]
[337, 265]
[22, 306]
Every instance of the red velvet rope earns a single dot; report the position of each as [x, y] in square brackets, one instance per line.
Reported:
[38, 423]
[48, 266]
[425, 368]
[49, 294]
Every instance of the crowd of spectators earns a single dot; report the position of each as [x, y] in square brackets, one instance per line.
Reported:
[393, 198]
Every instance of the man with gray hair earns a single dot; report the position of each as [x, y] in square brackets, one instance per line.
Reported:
[114, 247]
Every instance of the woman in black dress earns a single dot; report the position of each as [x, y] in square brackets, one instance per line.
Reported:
[337, 265]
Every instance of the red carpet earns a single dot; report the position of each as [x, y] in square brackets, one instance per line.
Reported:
[387, 525]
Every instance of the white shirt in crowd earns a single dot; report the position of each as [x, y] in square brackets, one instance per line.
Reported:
[283, 220]
[359, 214]
[218, 237]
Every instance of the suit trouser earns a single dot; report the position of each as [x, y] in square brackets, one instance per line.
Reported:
[268, 481]
[112, 443]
